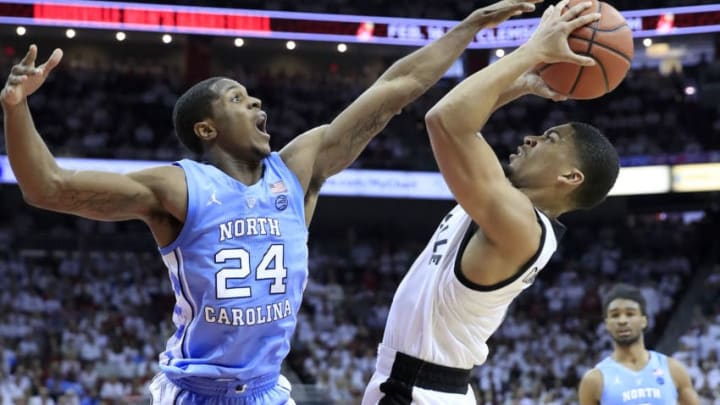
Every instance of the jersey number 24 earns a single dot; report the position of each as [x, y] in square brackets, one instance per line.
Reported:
[273, 257]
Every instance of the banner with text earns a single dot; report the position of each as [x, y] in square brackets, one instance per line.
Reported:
[406, 184]
[316, 26]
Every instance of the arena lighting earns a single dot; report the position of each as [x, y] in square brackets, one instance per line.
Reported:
[647, 42]
[120, 36]
[690, 90]
[696, 177]
[642, 180]
[20, 30]
[430, 185]
[167, 38]
[317, 27]
[342, 48]
[500, 53]
[290, 45]
[239, 42]
[70, 33]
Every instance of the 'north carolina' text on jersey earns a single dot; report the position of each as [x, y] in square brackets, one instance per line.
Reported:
[653, 385]
[439, 316]
[238, 270]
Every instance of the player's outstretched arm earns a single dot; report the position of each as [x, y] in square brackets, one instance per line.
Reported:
[316, 155]
[686, 392]
[468, 164]
[590, 389]
[91, 194]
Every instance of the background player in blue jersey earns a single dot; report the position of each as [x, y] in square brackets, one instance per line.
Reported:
[633, 374]
[233, 232]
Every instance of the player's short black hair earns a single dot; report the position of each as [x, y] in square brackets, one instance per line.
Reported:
[626, 292]
[192, 107]
[598, 161]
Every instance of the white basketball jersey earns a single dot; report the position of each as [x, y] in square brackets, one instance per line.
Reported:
[438, 315]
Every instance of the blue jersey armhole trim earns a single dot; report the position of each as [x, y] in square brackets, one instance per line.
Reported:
[189, 216]
[296, 182]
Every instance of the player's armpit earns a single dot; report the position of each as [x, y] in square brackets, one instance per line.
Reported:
[109, 196]
[686, 392]
[300, 155]
[590, 389]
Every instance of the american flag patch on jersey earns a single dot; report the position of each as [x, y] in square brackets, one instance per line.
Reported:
[278, 187]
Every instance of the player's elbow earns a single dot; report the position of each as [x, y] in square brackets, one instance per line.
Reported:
[35, 198]
[41, 195]
[436, 121]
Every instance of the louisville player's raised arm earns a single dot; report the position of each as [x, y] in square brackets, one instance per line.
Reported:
[468, 164]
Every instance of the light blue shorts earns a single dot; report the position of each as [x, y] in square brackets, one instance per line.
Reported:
[268, 391]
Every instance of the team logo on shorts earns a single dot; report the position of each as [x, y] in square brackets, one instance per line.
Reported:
[281, 202]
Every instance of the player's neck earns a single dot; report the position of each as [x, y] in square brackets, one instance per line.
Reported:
[245, 171]
[634, 356]
[549, 206]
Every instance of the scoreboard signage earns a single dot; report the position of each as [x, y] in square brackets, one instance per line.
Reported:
[315, 26]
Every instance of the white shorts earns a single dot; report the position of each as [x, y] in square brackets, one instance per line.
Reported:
[420, 396]
[164, 392]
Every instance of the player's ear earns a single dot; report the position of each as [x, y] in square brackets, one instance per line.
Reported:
[644, 322]
[205, 130]
[573, 177]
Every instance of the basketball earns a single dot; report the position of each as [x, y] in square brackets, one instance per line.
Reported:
[609, 41]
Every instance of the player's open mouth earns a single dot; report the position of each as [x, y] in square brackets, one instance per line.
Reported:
[261, 122]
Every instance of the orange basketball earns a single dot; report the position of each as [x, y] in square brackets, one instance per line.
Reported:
[609, 41]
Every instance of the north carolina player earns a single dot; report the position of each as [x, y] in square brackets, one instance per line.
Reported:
[491, 246]
[633, 375]
[233, 232]
[255, 231]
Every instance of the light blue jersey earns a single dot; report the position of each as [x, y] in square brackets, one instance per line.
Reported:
[238, 270]
[653, 385]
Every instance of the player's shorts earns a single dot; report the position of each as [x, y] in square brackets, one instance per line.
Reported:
[400, 379]
[266, 390]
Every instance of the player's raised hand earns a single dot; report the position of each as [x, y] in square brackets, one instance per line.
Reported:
[25, 78]
[550, 39]
[496, 13]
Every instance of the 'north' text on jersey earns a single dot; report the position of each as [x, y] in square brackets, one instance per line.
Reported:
[653, 385]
